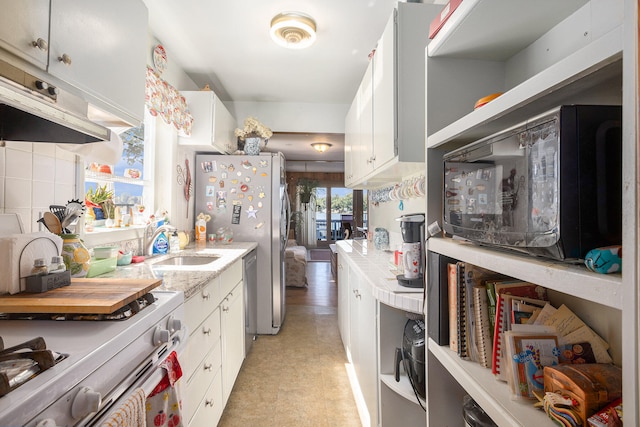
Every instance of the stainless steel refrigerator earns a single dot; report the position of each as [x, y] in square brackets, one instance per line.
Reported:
[248, 195]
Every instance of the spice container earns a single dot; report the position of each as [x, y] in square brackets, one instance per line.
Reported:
[40, 267]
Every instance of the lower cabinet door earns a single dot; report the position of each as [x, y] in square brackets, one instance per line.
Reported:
[211, 407]
[198, 388]
[232, 327]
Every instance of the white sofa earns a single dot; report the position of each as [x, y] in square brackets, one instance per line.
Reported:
[295, 260]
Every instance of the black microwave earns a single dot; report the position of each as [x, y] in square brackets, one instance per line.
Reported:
[550, 186]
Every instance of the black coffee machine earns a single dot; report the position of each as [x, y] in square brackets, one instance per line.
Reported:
[412, 228]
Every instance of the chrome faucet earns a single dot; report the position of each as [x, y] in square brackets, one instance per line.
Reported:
[150, 236]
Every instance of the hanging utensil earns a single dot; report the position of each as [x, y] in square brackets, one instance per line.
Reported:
[52, 223]
[72, 211]
[58, 210]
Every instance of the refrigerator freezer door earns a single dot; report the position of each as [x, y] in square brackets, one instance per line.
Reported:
[244, 193]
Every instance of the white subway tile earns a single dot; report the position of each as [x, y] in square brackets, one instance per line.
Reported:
[45, 149]
[63, 193]
[43, 194]
[17, 193]
[65, 172]
[25, 217]
[18, 164]
[21, 146]
[65, 155]
[43, 168]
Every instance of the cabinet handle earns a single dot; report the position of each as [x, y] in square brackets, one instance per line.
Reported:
[208, 402]
[225, 309]
[208, 367]
[40, 44]
[206, 296]
[206, 331]
[65, 59]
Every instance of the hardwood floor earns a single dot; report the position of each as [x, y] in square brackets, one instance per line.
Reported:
[322, 290]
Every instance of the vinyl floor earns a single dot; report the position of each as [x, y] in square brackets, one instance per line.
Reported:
[298, 377]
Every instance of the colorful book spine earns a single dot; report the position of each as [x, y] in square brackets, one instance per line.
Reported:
[453, 312]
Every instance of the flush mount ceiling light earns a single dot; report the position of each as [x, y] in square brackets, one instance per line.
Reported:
[293, 30]
[321, 146]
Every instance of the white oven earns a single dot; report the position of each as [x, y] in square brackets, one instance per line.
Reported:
[105, 362]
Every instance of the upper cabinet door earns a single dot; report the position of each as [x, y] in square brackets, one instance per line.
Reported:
[384, 96]
[24, 30]
[100, 47]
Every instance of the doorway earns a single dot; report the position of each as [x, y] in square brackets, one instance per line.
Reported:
[340, 213]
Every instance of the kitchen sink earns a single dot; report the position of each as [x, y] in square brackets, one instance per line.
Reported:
[186, 260]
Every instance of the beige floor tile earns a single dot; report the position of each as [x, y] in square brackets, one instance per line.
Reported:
[298, 377]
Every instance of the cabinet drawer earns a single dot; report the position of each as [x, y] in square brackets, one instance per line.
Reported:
[202, 304]
[204, 392]
[201, 341]
[230, 278]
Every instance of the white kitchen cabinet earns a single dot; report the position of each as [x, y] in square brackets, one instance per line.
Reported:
[215, 319]
[563, 53]
[363, 346]
[97, 50]
[24, 31]
[343, 302]
[390, 142]
[213, 125]
[100, 48]
[232, 323]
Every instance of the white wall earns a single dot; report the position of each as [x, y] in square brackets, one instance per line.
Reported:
[293, 117]
[384, 216]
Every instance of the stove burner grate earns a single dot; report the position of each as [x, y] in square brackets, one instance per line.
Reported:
[20, 363]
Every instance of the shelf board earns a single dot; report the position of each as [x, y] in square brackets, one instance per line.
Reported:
[402, 388]
[523, 20]
[492, 395]
[107, 177]
[594, 64]
[573, 279]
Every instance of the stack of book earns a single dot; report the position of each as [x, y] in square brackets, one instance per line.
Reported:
[509, 326]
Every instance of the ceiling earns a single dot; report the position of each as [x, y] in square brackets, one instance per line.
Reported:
[226, 44]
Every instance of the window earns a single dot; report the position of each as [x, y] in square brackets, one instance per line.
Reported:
[127, 182]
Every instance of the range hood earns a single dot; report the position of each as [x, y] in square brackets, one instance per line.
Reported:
[33, 110]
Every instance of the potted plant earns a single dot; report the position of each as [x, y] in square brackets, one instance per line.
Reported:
[306, 187]
[101, 200]
[252, 133]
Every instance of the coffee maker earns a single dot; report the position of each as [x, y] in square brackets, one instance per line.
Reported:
[412, 228]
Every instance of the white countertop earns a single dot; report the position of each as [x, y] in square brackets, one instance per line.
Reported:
[374, 266]
[188, 279]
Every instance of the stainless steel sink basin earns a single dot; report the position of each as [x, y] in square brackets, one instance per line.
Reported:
[185, 260]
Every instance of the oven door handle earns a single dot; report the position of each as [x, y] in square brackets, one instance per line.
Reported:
[148, 378]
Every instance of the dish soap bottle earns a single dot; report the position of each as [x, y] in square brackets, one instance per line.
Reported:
[161, 244]
[174, 243]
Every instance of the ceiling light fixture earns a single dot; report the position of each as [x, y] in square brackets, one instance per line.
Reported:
[293, 30]
[321, 146]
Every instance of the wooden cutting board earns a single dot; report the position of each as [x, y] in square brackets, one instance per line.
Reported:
[87, 296]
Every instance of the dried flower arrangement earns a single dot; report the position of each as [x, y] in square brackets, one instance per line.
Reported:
[253, 128]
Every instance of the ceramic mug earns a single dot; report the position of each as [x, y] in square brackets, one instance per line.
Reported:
[411, 253]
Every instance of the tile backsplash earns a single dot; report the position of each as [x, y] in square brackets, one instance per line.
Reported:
[34, 176]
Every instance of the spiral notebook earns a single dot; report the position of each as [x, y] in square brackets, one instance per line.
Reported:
[482, 325]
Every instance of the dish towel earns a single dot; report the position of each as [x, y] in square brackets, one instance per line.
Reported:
[164, 405]
[131, 413]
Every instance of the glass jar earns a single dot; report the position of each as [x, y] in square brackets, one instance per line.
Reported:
[381, 239]
[75, 255]
[224, 235]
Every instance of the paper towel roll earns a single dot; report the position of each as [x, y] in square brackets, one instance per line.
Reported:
[22, 250]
